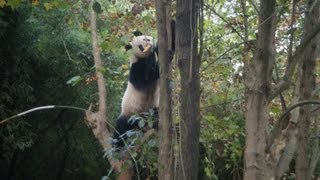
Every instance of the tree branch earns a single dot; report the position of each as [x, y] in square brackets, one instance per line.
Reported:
[301, 103]
[97, 121]
[287, 78]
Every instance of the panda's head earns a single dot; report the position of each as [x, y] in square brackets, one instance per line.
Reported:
[141, 45]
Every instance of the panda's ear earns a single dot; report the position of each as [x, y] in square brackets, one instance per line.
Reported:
[128, 46]
[137, 33]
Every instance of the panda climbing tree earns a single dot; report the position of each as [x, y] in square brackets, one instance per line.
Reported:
[142, 92]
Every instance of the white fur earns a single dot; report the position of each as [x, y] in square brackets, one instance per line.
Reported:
[135, 101]
[137, 53]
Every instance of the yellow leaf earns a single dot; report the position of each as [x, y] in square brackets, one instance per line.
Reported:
[48, 6]
[124, 66]
[126, 73]
[2, 3]
[35, 2]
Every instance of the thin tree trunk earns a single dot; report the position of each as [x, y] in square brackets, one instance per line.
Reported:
[258, 81]
[165, 159]
[97, 121]
[188, 62]
[315, 153]
[306, 87]
[101, 131]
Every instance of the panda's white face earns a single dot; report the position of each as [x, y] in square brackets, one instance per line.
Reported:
[142, 46]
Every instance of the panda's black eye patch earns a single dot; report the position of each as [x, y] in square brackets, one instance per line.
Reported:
[141, 47]
[148, 40]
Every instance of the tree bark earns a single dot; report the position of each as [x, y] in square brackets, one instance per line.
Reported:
[188, 62]
[165, 158]
[258, 81]
[307, 85]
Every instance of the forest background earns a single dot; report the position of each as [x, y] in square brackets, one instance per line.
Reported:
[259, 87]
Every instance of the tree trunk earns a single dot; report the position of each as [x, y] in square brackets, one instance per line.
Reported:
[188, 62]
[307, 85]
[258, 81]
[97, 121]
[165, 159]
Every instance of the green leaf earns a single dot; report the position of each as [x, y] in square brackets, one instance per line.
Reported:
[275, 109]
[152, 143]
[101, 69]
[133, 155]
[141, 123]
[74, 80]
[48, 6]
[13, 3]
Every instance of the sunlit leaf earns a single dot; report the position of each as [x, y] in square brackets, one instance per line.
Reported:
[74, 80]
[35, 2]
[141, 123]
[13, 3]
[48, 6]
[2, 3]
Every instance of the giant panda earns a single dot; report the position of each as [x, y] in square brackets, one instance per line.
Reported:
[142, 92]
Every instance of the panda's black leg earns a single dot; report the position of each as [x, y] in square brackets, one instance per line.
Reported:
[121, 128]
[155, 118]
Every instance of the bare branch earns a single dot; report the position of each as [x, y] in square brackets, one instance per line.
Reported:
[301, 103]
[223, 54]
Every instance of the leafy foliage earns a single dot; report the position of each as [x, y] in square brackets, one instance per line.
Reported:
[46, 58]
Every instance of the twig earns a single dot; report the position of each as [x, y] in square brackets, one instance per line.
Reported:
[42, 108]
[67, 51]
[226, 21]
[224, 53]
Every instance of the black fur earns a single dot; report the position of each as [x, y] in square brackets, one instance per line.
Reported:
[141, 47]
[122, 127]
[144, 72]
[124, 124]
[128, 46]
[137, 33]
